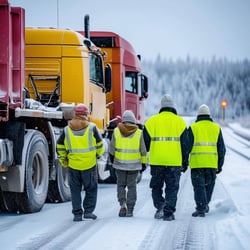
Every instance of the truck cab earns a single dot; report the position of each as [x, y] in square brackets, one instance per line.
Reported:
[130, 85]
[62, 66]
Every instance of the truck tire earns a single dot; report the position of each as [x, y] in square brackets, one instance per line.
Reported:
[36, 176]
[59, 190]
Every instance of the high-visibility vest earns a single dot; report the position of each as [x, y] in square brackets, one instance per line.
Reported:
[81, 148]
[204, 152]
[165, 130]
[127, 149]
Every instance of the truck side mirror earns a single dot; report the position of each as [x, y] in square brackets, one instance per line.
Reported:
[108, 78]
[144, 87]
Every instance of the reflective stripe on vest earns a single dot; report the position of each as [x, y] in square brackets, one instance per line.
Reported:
[90, 146]
[204, 151]
[165, 139]
[165, 130]
[127, 149]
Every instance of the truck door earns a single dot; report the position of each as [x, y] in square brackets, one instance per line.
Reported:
[131, 93]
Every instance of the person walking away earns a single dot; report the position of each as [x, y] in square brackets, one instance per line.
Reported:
[165, 136]
[77, 147]
[128, 154]
[207, 152]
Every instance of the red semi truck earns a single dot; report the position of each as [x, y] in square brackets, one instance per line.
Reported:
[129, 84]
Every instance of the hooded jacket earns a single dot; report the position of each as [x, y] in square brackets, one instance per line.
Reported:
[78, 126]
[127, 129]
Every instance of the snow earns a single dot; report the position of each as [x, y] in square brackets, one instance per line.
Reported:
[226, 226]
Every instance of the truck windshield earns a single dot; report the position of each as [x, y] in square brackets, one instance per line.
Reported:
[96, 70]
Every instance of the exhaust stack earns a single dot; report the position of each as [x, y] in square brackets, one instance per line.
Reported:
[86, 26]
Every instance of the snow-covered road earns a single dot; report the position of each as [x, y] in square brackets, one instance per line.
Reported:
[226, 226]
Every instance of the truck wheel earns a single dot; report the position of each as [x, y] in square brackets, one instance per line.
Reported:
[36, 174]
[59, 190]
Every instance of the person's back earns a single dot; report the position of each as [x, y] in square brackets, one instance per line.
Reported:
[207, 151]
[206, 134]
[78, 146]
[128, 156]
[165, 136]
[165, 130]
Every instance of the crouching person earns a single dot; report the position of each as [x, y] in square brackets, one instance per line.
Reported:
[128, 155]
[77, 147]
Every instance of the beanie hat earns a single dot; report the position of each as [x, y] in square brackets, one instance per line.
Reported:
[81, 109]
[166, 101]
[128, 116]
[203, 110]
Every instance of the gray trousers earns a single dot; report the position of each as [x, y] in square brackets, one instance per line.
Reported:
[126, 187]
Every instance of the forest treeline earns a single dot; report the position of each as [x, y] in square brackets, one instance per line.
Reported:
[192, 82]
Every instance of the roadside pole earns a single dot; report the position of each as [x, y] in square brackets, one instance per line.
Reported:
[223, 106]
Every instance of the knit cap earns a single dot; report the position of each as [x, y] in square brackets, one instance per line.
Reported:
[128, 116]
[203, 110]
[167, 102]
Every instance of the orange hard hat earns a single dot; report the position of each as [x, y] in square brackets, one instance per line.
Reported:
[81, 109]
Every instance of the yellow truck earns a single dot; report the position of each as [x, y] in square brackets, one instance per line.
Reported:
[42, 78]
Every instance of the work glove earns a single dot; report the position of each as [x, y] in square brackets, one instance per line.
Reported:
[63, 162]
[143, 167]
[218, 170]
[184, 169]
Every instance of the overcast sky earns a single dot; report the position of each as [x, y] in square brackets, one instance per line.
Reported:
[171, 28]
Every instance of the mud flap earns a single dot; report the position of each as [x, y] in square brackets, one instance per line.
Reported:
[102, 162]
[102, 172]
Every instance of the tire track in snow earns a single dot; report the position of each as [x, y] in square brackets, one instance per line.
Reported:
[162, 233]
[62, 235]
[187, 232]
[200, 233]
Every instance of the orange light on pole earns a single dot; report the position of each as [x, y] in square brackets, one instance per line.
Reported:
[223, 105]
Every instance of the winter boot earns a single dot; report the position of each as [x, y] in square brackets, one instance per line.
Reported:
[89, 216]
[207, 209]
[159, 214]
[130, 212]
[168, 217]
[198, 213]
[123, 210]
[77, 217]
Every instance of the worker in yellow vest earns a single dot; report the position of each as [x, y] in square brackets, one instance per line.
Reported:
[128, 154]
[207, 152]
[165, 136]
[78, 147]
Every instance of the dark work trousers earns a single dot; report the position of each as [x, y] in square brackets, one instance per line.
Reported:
[203, 181]
[171, 177]
[127, 179]
[83, 180]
